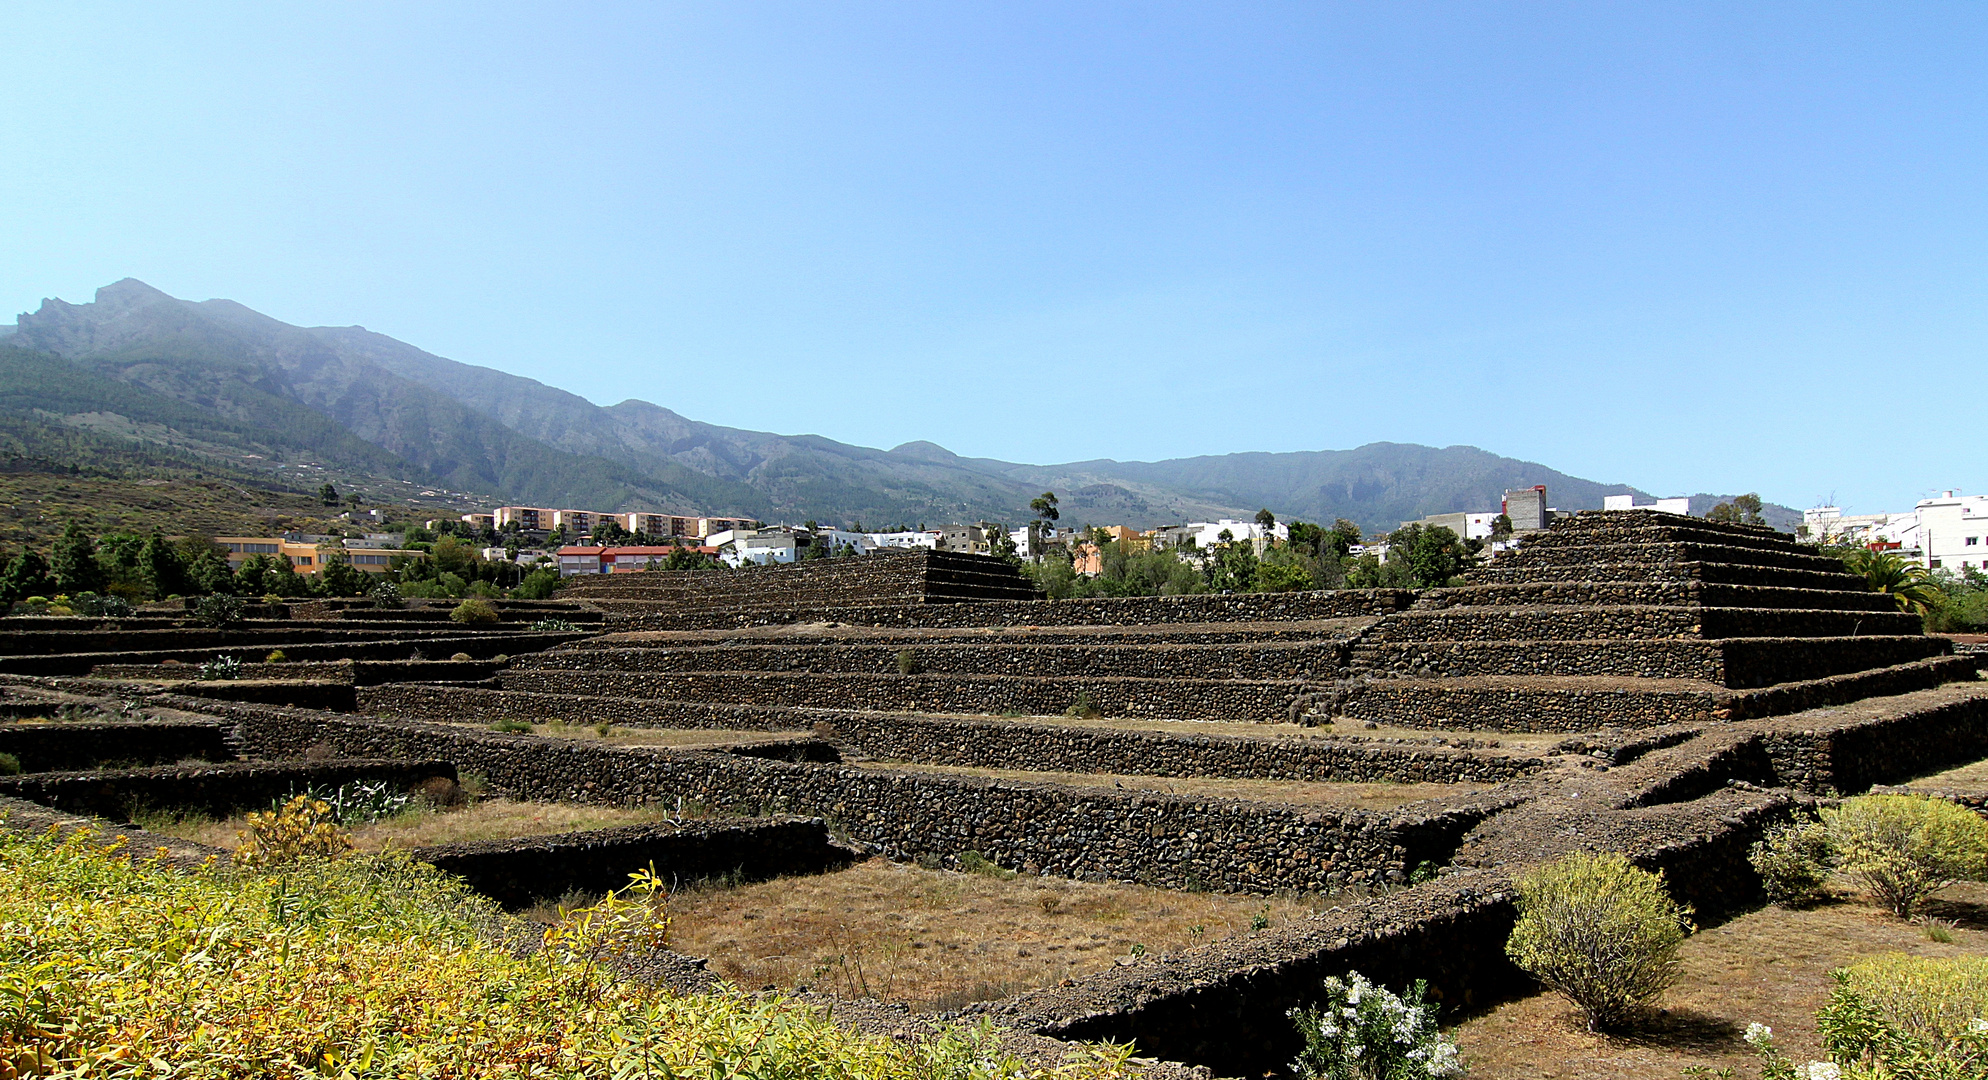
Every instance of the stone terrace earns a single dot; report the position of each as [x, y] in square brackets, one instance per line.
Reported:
[1737, 676]
[1639, 619]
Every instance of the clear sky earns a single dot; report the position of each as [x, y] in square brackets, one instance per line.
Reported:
[1719, 247]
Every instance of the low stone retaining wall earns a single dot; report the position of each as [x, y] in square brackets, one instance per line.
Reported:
[1089, 833]
[376, 645]
[352, 673]
[997, 744]
[1591, 623]
[1158, 699]
[214, 790]
[1256, 661]
[1844, 751]
[1493, 704]
[1109, 611]
[1739, 663]
[517, 873]
[89, 744]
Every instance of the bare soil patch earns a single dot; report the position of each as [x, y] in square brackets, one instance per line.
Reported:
[938, 939]
[1967, 778]
[1364, 796]
[486, 819]
[1770, 966]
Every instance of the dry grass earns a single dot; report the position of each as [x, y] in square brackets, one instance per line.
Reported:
[487, 819]
[1294, 792]
[1967, 778]
[1771, 966]
[937, 939]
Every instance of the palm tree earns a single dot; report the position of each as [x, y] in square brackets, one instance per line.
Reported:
[1889, 572]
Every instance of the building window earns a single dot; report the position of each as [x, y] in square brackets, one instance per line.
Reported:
[1973, 540]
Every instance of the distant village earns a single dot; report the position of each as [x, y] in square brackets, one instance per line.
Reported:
[1950, 531]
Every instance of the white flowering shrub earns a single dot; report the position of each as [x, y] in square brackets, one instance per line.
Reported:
[1363, 1031]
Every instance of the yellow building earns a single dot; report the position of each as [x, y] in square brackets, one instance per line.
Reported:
[305, 554]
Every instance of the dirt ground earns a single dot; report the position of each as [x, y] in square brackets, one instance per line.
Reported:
[937, 939]
[1967, 778]
[1294, 792]
[487, 819]
[1770, 966]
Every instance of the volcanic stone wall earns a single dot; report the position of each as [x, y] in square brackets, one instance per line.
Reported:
[1088, 833]
[518, 872]
[1001, 744]
[1101, 611]
[1160, 699]
[90, 744]
[215, 790]
[1243, 660]
[1739, 663]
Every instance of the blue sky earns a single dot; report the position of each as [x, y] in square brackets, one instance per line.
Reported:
[1683, 246]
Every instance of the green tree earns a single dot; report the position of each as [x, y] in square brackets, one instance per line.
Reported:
[26, 575]
[1501, 527]
[160, 568]
[338, 577]
[1044, 508]
[285, 581]
[1266, 519]
[208, 573]
[327, 494]
[73, 561]
[1743, 510]
[1428, 555]
[255, 577]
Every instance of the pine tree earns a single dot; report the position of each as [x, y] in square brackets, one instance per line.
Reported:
[27, 575]
[74, 562]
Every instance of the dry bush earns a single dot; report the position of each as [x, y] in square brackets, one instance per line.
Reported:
[1794, 863]
[301, 828]
[1600, 931]
[1905, 848]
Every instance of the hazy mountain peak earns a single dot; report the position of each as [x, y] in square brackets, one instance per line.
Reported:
[480, 429]
[129, 293]
[924, 451]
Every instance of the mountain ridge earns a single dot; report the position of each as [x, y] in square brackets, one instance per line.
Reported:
[511, 437]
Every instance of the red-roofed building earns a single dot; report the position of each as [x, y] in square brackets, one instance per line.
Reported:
[586, 559]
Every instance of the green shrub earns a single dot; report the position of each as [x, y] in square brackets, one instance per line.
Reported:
[1896, 1017]
[376, 966]
[1601, 932]
[1363, 1031]
[219, 610]
[554, 626]
[475, 611]
[10, 765]
[1794, 862]
[973, 862]
[537, 585]
[276, 656]
[220, 669]
[1904, 848]
[1083, 708]
[907, 662]
[103, 606]
[512, 727]
[387, 595]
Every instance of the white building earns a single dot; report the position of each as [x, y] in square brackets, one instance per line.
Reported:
[909, 540]
[1953, 531]
[761, 547]
[1207, 534]
[1945, 533]
[1662, 506]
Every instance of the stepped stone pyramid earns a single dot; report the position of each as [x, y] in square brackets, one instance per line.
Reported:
[1639, 618]
[818, 586]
